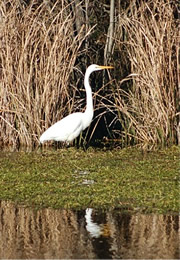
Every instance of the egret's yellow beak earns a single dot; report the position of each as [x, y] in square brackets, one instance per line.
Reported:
[106, 67]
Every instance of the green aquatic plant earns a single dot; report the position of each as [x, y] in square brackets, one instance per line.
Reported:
[70, 178]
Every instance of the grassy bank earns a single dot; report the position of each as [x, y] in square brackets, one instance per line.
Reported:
[70, 178]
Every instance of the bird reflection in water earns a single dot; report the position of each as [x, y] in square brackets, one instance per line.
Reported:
[100, 234]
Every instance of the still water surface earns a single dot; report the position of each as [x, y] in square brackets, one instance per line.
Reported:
[89, 234]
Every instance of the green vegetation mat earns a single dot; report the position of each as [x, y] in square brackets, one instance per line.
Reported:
[71, 178]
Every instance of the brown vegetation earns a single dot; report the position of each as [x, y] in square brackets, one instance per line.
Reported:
[39, 46]
[147, 36]
[38, 52]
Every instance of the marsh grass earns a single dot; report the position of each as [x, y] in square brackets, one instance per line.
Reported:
[70, 178]
[38, 51]
[147, 37]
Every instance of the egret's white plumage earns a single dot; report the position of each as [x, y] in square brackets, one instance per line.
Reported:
[68, 128]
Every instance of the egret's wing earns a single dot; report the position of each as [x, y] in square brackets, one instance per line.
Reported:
[66, 129]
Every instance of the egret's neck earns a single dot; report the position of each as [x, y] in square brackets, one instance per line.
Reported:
[89, 102]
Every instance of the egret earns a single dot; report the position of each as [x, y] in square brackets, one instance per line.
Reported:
[68, 128]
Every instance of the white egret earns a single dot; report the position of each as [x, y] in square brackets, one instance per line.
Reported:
[68, 128]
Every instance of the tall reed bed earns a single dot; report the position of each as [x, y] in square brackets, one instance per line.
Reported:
[38, 49]
[147, 37]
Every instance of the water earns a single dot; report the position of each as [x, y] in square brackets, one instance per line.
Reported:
[89, 234]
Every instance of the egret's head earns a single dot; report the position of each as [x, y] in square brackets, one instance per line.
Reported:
[95, 67]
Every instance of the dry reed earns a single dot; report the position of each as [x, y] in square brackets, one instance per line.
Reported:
[38, 49]
[147, 108]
